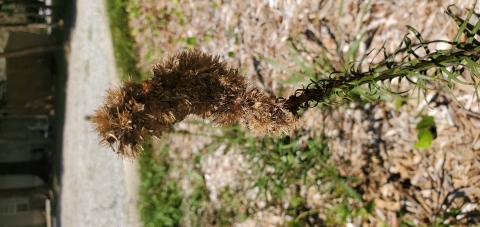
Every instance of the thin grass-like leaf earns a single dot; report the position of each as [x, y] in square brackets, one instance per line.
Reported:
[453, 77]
[339, 15]
[420, 38]
[473, 33]
[352, 51]
[283, 67]
[308, 71]
[462, 24]
[410, 51]
[350, 191]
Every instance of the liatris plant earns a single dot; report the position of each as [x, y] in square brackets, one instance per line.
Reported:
[186, 83]
[448, 68]
[196, 83]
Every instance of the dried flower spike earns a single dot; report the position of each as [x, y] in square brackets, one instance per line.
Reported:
[186, 83]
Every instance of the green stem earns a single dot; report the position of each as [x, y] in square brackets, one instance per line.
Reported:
[322, 90]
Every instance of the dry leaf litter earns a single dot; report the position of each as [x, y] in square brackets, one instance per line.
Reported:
[373, 142]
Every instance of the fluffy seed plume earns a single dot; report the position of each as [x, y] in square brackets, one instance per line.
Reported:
[186, 83]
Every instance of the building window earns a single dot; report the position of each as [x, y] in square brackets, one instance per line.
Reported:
[13, 208]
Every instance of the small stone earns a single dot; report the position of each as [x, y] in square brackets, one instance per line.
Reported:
[378, 114]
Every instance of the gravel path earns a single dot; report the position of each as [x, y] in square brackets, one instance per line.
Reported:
[98, 188]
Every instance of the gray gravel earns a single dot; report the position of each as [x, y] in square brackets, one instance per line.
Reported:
[94, 191]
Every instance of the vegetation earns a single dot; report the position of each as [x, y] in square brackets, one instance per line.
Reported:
[281, 164]
[122, 40]
[160, 197]
[160, 200]
[286, 163]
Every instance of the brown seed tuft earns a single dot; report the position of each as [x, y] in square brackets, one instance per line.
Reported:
[186, 83]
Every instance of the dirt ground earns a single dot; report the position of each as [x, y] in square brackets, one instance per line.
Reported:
[97, 187]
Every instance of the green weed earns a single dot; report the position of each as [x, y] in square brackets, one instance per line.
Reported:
[426, 132]
[280, 164]
[160, 197]
[440, 68]
[123, 42]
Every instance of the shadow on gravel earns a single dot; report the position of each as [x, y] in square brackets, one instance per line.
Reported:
[67, 13]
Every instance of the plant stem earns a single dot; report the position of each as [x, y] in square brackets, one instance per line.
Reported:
[322, 90]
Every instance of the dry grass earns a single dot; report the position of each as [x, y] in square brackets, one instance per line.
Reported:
[373, 141]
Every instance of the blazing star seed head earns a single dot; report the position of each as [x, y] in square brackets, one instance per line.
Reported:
[186, 83]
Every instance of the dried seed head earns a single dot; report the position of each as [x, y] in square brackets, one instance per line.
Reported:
[190, 82]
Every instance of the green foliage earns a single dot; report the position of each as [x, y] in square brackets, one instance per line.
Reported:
[282, 163]
[440, 68]
[278, 163]
[123, 42]
[427, 121]
[439, 222]
[308, 70]
[160, 197]
[191, 41]
[231, 208]
[200, 211]
[425, 134]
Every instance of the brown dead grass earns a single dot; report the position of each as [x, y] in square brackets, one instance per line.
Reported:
[374, 142]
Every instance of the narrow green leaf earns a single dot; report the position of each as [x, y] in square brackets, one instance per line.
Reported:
[420, 38]
[350, 191]
[296, 201]
[427, 121]
[370, 206]
[453, 77]
[191, 40]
